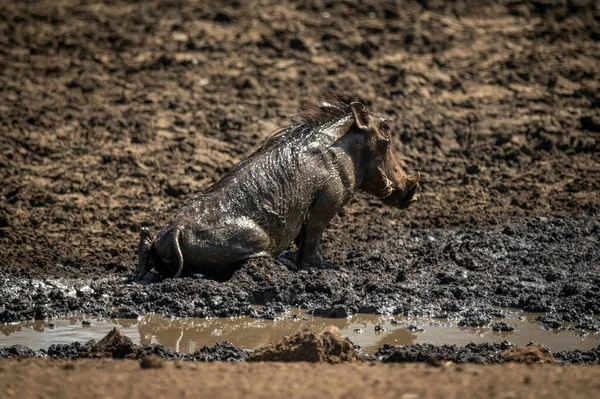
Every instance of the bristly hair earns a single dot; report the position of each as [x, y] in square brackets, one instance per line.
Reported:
[327, 111]
[295, 136]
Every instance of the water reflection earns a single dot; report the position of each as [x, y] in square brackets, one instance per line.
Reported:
[368, 331]
[187, 335]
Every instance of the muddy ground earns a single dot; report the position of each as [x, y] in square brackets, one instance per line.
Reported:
[112, 115]
[328, 346]
[336, 357]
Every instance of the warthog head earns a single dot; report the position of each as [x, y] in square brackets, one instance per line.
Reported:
[383, 175]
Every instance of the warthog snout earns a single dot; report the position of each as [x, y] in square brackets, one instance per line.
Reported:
[403, 197]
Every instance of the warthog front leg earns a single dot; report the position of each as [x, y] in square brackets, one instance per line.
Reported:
[309, 246]
[321, 211]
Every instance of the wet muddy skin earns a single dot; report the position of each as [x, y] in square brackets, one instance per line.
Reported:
[110, 120]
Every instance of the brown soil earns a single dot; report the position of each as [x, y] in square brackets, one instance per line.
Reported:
[326, 346]
[530, 354]
[114, 114]
[37, 378]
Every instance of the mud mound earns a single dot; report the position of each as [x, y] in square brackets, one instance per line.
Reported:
[308, 346]
[532, 353]
[114, 344]
[72, 350]
[482, 354]
[579, 357]
[18, 352]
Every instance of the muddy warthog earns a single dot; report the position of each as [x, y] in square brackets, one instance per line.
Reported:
[288, 190]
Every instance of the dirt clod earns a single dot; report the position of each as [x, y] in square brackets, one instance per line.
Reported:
[502, 327]
[151, 362]
[114, 344]
[532, 353]
[308, 346]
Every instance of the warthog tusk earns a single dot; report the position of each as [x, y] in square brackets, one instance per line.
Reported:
[389, 185]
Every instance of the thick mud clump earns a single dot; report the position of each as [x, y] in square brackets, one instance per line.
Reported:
[533, 353]
[308, 346]
[115, 344]
[488, 353]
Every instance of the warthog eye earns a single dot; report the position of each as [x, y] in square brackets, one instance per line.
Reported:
[383, 143]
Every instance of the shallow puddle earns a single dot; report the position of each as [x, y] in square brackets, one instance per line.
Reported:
[369, 331]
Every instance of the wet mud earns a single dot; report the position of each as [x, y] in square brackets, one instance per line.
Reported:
[367, 332]
[113, 115]
[328, 346]
[547, 265]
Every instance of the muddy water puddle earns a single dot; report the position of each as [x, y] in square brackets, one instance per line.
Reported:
[369, 331]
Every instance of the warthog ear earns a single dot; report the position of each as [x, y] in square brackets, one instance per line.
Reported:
[361, 116]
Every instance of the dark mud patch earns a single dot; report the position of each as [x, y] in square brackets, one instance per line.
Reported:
[487, 353]
[117, 346]
[544, 265]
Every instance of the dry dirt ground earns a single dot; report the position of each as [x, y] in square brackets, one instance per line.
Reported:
[35, 378]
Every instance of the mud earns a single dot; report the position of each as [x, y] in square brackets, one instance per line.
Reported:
[327, 346]
[367, 332]
[118, 346]
[486, 353]
[308, 346]
[113, 115]
[546, 265]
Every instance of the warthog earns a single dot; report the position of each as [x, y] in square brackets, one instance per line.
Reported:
[288, 190]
